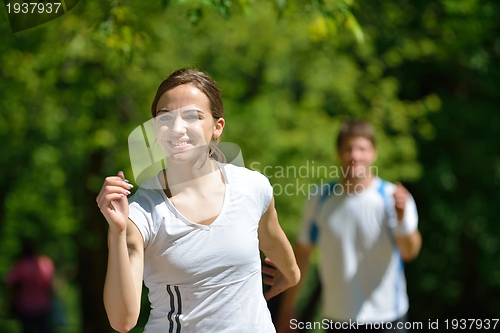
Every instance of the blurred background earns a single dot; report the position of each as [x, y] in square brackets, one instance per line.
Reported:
[425, 73]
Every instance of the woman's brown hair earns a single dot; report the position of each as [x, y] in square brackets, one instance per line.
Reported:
[205, 84]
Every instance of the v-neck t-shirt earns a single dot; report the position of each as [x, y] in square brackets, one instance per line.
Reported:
[205, 278]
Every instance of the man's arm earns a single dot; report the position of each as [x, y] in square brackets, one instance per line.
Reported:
[409, 244]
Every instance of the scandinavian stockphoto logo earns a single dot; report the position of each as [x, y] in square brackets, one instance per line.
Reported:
[31, 13]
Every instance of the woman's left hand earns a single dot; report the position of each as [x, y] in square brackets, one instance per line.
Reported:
[274, 278]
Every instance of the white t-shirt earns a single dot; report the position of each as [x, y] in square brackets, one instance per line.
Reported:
[205, 278]
[360, 267]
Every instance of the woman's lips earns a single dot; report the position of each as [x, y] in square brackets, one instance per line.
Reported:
[180, 144]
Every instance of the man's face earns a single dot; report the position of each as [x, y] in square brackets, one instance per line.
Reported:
[356, 155]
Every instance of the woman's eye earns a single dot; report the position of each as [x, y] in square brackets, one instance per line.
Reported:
[191, 116]
[165, 118]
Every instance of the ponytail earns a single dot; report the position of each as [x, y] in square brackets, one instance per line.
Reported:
[215, 153]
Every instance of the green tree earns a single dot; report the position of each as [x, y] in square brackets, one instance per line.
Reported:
[451, 48]
[73, 89]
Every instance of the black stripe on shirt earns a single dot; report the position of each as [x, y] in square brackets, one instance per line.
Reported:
[173, 313]
[172, 310]
[179, 307]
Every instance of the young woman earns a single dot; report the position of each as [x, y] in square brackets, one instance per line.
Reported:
[193, 232]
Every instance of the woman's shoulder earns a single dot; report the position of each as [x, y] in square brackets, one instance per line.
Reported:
[243, 174]
[148, 190]
[149, 184]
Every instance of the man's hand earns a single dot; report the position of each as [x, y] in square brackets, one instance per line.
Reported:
[400, 198]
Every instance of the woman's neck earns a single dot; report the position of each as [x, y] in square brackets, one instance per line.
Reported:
[180, 176]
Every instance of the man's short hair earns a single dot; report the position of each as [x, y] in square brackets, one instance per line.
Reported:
[355, 128]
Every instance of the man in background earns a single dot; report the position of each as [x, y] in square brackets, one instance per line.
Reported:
[364, 228]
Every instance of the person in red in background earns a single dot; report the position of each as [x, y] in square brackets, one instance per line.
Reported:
[30, 283]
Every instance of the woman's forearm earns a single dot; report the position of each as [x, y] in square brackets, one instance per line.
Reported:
[281, 254]
[121, 297]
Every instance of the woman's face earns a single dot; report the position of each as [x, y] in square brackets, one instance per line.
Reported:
[184, 124]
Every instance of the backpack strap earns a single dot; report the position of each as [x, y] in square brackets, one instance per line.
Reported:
[388, 209]
[326, 191]
[395, 249]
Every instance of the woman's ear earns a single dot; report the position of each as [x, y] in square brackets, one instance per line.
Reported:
[218, 128]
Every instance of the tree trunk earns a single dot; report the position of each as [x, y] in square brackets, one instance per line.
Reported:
[93, 256]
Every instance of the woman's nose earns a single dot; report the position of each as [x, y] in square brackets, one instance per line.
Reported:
[179, 125]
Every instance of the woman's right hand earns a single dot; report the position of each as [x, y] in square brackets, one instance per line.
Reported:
[113, 203]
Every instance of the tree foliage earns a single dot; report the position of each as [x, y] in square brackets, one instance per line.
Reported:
[423, 72]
